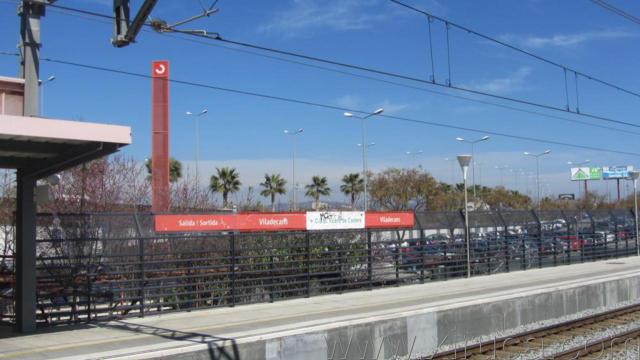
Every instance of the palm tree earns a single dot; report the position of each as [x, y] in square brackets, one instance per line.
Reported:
[225, 181]
[273, 185]
[352, 185]
[175, 169]
[317, 188]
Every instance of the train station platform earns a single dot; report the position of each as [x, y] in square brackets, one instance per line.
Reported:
[399, 321]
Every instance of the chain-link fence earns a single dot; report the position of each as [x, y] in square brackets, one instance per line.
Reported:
[94, 267]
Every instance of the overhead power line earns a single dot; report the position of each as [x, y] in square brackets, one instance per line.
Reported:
[518, 49]
[617, 11]
[330, 107]
[360, 76]
[216, 37]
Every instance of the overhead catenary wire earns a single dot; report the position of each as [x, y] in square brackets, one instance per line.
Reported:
[518, 49]
[332, 107]
[617, 10]
[216, 37]
[64, 11]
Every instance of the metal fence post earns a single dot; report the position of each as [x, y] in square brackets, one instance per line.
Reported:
[140, 263]
[232, 250]
[505, 242]
[88, 295]
[307, 247]
[369, 260]
[271, 273]
[592, 249]
[579, 242]
[616, 232]
[539, 224]
[397, 261]
[626, 237]
[422, 249]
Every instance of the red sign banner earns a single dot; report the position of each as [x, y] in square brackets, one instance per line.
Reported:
[271, 222]
[383, 220]
[264, 222]
[231, 222]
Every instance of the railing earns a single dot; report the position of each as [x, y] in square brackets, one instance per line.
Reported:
[110, 266]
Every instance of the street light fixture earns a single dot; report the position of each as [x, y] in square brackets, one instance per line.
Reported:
[197, 117]
[41, 85]
[537, 156]
[364, 148]
[464, 160]
[473, 156]
[293, 163]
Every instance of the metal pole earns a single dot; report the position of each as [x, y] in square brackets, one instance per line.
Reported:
[635, 207]
[538, 179]
[30, 13]
[466, 227]
[42, 99]
[586, 189]
[473, 170]
[364, 162]
[25, 254]
[618, 186]
[197, 153]
[293, 160]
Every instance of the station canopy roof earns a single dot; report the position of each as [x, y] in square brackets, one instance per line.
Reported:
[41, 147]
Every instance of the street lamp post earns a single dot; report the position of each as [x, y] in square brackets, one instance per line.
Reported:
[464, 160]
[537, 156]
[364, 150]
[473, 159]
[293, 164]
[413, 155]
[41, 85]
[197, 117]
[634, 175]
[578, 164]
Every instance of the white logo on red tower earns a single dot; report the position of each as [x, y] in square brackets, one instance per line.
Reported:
[160, 69]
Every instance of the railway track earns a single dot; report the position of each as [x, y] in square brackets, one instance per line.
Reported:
[553, 340]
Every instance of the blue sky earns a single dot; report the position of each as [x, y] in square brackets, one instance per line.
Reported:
[246, 132]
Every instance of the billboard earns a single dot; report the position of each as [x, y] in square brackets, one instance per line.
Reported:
[586, 173]
[616, 172]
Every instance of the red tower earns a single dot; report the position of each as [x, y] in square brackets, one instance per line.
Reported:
[160, 136]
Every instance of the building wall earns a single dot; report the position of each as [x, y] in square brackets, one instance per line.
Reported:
[11, 96]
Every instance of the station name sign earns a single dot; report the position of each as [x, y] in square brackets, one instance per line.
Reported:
[259, 222]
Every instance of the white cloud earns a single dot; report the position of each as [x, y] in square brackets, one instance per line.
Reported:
[504, 85]
[565, 40]
[349, 101]
[392, 108]
[337, 15]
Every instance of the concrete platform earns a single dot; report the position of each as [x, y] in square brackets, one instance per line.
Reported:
[374, 324]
